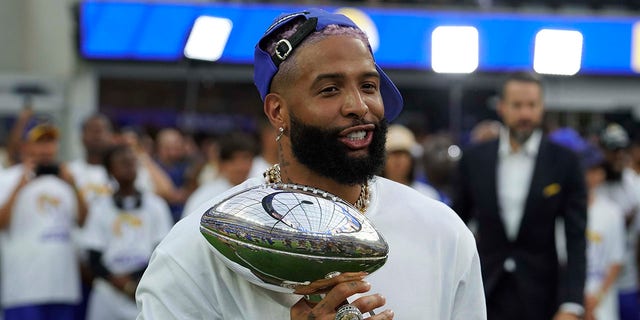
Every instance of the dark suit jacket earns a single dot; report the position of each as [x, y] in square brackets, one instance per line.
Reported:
[557, 190]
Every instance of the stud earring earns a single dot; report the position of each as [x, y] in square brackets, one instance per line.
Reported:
[280, 134]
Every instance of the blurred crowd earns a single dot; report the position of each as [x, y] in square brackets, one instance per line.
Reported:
[77, 236]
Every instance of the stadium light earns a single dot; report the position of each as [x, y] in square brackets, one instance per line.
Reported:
[208, 38]
[454, 49]
[558, 52]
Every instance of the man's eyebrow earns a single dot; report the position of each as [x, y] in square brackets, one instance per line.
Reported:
[370, 74]
[337, 75]
[328, 76]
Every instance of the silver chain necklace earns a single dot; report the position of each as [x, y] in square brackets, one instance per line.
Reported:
[272, 175]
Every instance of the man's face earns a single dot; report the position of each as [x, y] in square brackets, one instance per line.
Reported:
[594, 177]
[398, 166]
[521, 109]
[124, 167]
[616, 159]
[97, 135]
[335, 110]
[237, 168]
[171, 148]
[42, 152]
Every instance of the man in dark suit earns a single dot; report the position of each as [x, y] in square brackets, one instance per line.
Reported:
[514, 188]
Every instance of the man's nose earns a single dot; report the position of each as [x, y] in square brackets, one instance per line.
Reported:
[355, 104]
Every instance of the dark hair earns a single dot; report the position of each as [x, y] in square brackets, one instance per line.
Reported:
[235, 142]
[521, 76]
[113, 151]
[97, 116]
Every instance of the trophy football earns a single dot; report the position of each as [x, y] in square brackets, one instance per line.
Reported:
[289, 236]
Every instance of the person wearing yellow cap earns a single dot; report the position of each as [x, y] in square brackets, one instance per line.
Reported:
[39, 204]
[401, 148]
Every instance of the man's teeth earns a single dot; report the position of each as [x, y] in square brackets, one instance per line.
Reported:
[357, 135]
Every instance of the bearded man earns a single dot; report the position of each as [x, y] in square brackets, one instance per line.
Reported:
[515, 188]
[330, 103]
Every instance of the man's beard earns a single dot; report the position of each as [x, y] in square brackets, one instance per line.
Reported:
[321, 151]
[611, 173]
[521, 136]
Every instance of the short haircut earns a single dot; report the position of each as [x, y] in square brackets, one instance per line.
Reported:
[97, 116]
[108, 156]
[521, 76]
[232, 143]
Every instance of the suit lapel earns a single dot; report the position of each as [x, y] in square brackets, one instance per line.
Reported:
[492, 186]
[537, 181]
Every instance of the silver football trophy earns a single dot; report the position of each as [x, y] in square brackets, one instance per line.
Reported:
[284, 236]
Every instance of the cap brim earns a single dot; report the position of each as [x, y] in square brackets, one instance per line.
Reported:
[41, 132]
[391, 96]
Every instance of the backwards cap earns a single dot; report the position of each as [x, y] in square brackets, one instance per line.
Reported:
[266, 65]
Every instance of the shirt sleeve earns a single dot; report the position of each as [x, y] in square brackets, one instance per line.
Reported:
[9, 180]
[616, 236]
[94, 233]
[469, 303]
[167, 292]
[164, 222]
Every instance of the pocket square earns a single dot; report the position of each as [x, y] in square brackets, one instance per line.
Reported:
[551, 190]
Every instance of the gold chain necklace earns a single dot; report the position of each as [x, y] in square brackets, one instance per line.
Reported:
[272, 175]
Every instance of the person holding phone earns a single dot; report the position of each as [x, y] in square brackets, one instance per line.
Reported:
[39, 204]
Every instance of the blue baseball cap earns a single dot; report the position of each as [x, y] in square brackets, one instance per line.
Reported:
[590, 156]
[569, 138]
[266, 65]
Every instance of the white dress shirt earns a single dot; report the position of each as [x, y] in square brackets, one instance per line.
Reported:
[515, 169]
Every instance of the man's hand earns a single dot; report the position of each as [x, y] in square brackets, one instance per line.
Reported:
[339, 289]
[590, 303]
[28, 167]
[125, 284]
[563, 315]
[65, 174]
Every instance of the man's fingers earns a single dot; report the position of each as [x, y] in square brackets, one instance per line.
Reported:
[369, 303]
[302, 307]
[385, 315]
[324, 285]
[340, 293]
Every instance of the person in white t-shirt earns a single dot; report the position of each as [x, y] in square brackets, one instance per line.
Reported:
[605, 231]
[120, 234]
[235, 161]
[330, 102]
[88, 172]
[93, 181]
[605, 243]
[39, 204]
[614, 141]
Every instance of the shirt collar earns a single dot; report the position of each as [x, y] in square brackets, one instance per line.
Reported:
[530, 147]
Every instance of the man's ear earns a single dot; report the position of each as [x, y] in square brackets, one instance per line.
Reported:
[274, 109]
